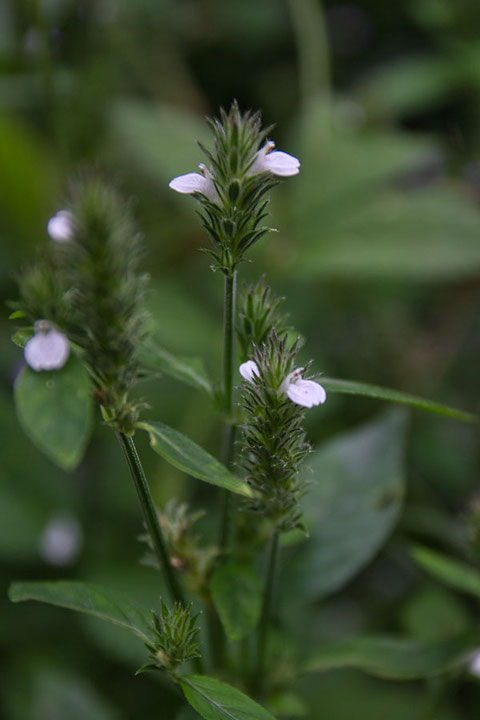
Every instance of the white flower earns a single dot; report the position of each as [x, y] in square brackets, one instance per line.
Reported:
[278, 163]
[48, 349]
[196, 182]
[248, 370]
[474, 664]
[60, 227]
[306, 393]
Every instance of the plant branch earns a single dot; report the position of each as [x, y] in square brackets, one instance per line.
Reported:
[264, 621]
[150, 516]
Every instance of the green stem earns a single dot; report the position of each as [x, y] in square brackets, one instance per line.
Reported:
[264, 621]
[312, 49]
[150, 516]
[229, 314]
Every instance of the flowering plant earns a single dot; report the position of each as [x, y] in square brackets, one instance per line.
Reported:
[86, 341]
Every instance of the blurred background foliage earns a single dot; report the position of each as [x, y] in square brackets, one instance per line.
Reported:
[378, 255]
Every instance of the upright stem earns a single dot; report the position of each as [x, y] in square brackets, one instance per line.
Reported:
[230, 291]
[150, 516]
[265, 613]
[312, 49]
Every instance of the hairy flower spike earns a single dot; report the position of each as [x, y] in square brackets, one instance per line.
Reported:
[259, 314]
[242, 168]
[274, 442]
[175, 637]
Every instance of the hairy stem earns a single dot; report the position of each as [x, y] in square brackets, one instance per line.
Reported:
[312, 48]
[150, 516]
[264, 622]
[230, 291]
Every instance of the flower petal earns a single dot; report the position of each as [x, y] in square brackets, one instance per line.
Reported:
[248, 370]
[60, 226]
[306, 393]
[47, 350]
[192, 183]
[281, 163]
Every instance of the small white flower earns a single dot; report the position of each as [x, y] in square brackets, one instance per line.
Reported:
[60, 227]
[61, 540]
[274, 161]
[196, 182]
[474, 664]
[48, 349]
[306, 393]
[248, 370]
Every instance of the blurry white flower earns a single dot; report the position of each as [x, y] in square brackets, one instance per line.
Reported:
[196, 182]
[60, 226]
[278, 163]
[48, 349]
[306, 393]
[474, 664]
[61, 540]
[248, 370]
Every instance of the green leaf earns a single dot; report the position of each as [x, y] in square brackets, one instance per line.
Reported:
[89, 599]
[161, 140]
[187, 370]
[55, 410]
[395, 658]
[21, 336]
[216, 700]
[357, 484]
[352, 387]
[237, 594]
[449, 571]
[186, 455]
[390, 225]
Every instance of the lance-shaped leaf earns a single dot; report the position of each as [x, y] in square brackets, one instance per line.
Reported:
[187, 370]
[354, 499]
[186, 455]
[89, 599]
[237, 594]
[216, 700]
[351, 387]
[448, 570]
[396, 658]
[55, 410]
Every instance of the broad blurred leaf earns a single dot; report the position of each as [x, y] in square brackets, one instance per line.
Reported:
[216, 700]
[186, 455]
[27, 181]
[354, 219]
[449, 571]
[352, 387]
[187, 370]
[86, 598]
[407, 85]
[434, 613]
[237, 594]
[161, 140]
[351, 506]
[55, 410]
[396, 658]
[38, 690]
